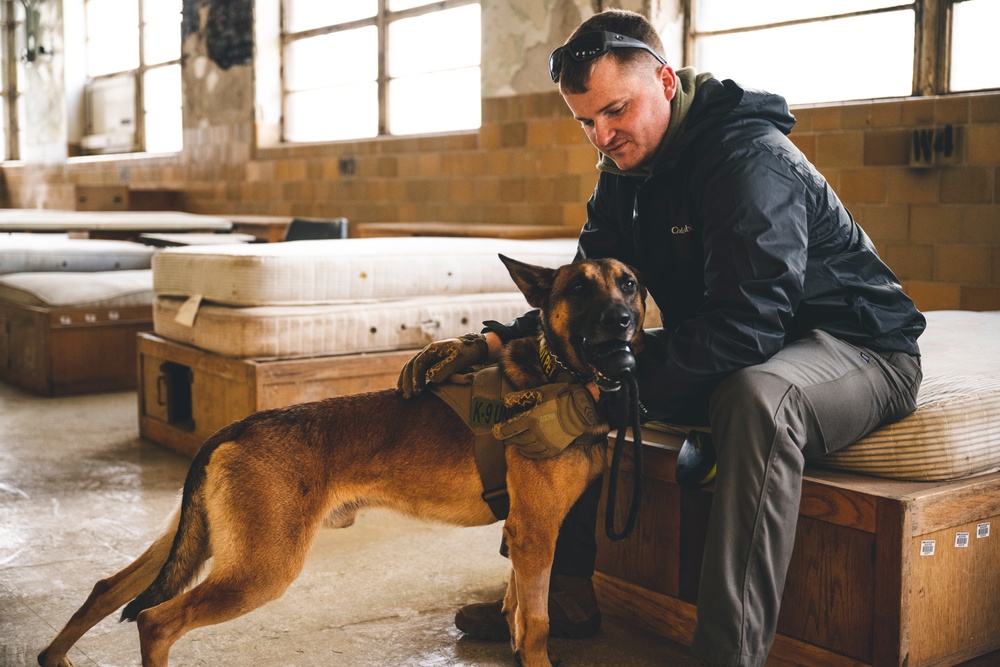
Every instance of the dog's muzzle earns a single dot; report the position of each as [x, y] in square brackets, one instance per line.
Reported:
[611, 361]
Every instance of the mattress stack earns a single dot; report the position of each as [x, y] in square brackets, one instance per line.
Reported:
[70, 310]
[337, 297]
[53, 270]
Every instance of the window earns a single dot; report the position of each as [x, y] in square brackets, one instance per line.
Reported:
[975, 50]
[133, 94]
[831, 50]
[361, 69]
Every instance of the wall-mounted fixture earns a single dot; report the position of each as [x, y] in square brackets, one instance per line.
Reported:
[33, 49]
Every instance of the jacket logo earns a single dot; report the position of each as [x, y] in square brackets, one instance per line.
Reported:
[680, 230]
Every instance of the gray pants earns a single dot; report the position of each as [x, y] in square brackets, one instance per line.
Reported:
[817, 395]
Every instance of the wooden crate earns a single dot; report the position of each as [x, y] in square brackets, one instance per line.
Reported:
[859, 589]
[60, 351]
[186, 394]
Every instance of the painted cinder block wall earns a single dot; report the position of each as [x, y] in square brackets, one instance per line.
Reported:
[937, 226]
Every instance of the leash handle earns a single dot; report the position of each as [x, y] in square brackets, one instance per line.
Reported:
[630, 418]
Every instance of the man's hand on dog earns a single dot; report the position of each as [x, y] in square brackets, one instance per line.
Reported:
[559, 413]
[438, 360]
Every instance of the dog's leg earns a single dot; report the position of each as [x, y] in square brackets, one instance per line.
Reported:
[541, 493]
[259, 544]
[222, 596]
[108, 595]
[510, 607]
[531, 562]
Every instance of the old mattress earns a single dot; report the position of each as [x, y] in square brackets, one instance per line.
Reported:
[64, 289]
[49, 220]
[955, 430]
[57, 252]
[333, 297]
[312, 330]
[347, 270]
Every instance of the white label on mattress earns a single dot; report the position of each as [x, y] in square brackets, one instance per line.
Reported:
[927, 547]
[983, 529]
[961, 540]
[188, 311]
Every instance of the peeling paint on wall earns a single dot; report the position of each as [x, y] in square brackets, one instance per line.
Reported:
[42, 118]
[218, 57]
[519, 35]
[228, 28]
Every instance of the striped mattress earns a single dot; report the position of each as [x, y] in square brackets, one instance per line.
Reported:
[955, 430]
[344, 296]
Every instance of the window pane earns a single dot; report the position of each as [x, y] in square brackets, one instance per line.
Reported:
[397, 5]
[975, 50]
[163, 131]
[161, 31]
[338, 58]
[308, 14]
[329, 114]
[448, 39]
[835, 68]
[112, 36]
[161, 88]
[724, 14]
[456, 102]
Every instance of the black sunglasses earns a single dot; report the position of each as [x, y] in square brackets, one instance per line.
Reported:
[590, 45]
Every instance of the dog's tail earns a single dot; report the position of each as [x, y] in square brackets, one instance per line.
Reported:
[190, 547]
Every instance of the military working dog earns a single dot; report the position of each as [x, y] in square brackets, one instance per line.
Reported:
[260, 488]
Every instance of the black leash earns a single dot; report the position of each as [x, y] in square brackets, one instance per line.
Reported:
[629, 418]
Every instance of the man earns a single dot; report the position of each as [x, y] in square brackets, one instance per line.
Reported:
[783, 331]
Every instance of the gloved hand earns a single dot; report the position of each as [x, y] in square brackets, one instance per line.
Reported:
[438, 360]
[559, 414]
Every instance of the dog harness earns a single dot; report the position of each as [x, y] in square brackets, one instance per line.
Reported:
[477, 398]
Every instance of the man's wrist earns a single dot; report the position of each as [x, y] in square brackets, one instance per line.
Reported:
[493, 344]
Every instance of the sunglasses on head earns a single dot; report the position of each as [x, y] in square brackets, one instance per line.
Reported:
[590, 45]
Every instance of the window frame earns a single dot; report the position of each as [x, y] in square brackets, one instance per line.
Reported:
[383, 17]
[138, 75]
[931, 44]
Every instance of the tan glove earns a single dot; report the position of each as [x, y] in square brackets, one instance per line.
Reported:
[560, 413]
[438, 360]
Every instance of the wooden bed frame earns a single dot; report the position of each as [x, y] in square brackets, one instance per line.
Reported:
[57, 351]
[862, 588]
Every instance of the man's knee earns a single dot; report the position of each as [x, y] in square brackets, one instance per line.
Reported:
[749, 394]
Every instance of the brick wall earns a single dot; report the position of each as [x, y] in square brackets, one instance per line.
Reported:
[938, 227]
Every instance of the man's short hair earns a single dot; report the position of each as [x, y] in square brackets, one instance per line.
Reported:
[575, 75]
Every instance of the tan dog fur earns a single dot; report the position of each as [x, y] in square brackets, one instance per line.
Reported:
[260, 488]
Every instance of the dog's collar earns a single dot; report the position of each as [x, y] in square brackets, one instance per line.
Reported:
[551, 365]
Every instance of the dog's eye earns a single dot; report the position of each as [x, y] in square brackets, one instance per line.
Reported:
[628, 285]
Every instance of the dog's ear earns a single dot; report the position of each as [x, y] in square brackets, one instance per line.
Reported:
[535, 282]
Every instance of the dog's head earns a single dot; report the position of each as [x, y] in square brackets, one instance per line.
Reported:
[592, 313]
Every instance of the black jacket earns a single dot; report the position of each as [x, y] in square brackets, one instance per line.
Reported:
[744, 247]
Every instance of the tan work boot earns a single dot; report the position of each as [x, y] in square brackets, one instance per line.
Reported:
[573, 612]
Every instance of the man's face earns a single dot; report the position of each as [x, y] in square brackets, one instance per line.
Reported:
[626, 110]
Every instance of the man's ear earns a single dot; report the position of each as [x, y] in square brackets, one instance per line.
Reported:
[669, 79]
[535, 282]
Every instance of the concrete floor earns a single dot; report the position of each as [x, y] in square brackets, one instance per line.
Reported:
[81, 495]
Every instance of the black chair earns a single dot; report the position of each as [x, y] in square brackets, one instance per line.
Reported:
[302, 229]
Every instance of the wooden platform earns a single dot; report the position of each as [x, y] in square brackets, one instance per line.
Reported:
[878, 577]
[186, 394]
[60, 351]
